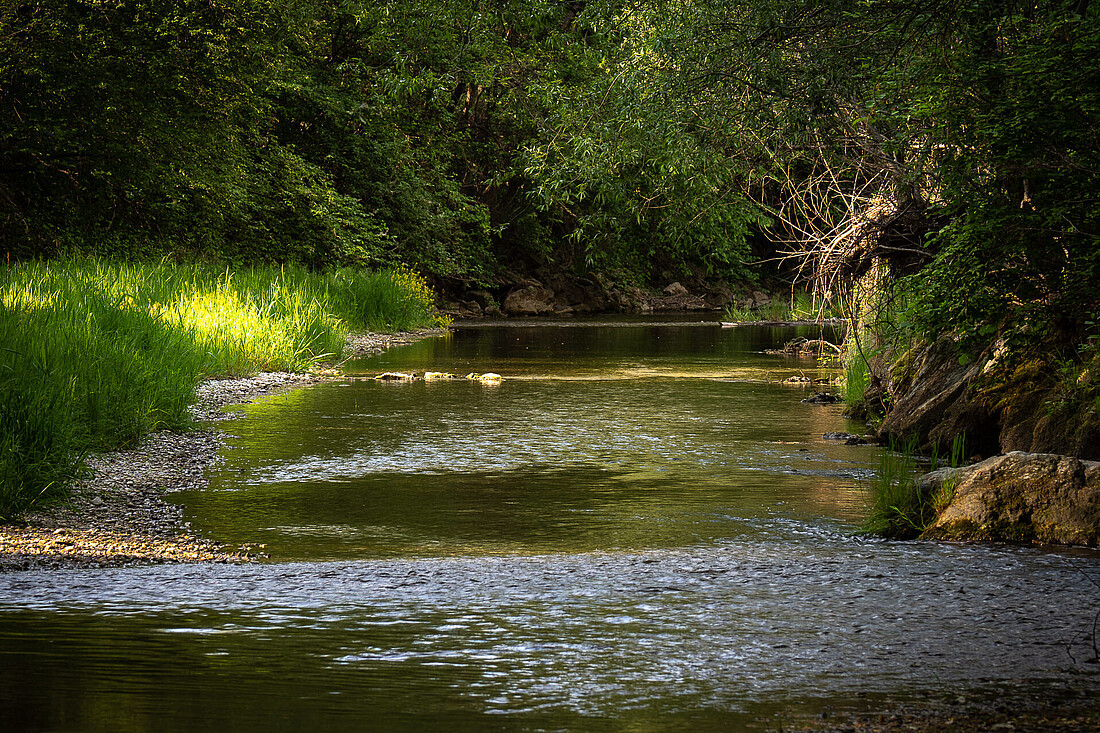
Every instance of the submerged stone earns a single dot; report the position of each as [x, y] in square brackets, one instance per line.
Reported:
[823, 398]
[846, 438]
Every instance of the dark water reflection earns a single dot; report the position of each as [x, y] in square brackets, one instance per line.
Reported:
[637, 530]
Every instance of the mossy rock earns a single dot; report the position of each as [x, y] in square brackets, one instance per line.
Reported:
[1024, 497]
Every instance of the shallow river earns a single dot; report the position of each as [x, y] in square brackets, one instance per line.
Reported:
[638, 529]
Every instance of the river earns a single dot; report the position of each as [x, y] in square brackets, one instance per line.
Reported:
[639, 528]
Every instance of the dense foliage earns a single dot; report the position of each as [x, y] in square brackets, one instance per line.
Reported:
[960, 142]
[461, 137]
[964, 135]
[424, 133]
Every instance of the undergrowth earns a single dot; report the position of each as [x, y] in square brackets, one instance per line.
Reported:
[802, 306]
[857, 377]
[900, 508]
[95, 354]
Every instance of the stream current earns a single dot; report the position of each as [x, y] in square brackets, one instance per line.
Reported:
[639, 528]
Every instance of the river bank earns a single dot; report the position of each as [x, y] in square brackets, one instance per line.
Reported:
[119, 515]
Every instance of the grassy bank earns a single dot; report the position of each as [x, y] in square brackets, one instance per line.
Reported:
[801, 306]
[94, 354]
[900, 508]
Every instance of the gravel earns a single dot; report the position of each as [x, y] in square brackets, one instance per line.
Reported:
[117, 514]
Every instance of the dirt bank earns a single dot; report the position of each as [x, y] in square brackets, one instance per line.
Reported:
[118, 514]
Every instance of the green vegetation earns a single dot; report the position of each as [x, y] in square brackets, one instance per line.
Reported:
[904, 137]
[97, 354]
[900, 507]
[857, 377]
[951, 151]
[644, 140]
[802, 306]
[460, 138]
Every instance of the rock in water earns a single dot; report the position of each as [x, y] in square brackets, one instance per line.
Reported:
[488, 377]
[822, 398]
[1022, 497]
[846, 438]
[396, 377]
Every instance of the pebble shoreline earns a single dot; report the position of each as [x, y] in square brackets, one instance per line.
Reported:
[119, 515]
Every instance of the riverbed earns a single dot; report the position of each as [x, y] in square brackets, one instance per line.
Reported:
[640, 527]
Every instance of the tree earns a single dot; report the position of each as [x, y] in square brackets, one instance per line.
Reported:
[631, 172]
[137, 127]
[961, 138]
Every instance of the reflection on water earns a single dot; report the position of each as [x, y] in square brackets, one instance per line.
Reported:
[599, 438]
[638, 529]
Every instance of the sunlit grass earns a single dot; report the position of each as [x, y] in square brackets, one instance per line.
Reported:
[857, 377]
[94, 354]
[801, 306]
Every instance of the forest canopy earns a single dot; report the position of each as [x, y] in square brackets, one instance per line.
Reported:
[960, 142]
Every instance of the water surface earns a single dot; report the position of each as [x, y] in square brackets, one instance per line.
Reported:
[639, 528]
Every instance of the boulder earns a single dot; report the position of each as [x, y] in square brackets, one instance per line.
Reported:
[582, 296]
[1021, 497]
[933, 394]
[483, 298]
[529, 300]
[470, 309]
[617, 302]
[487, 303]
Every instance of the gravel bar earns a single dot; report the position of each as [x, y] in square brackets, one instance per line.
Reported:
[118, 515]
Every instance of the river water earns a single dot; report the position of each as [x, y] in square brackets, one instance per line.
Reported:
[638, 529]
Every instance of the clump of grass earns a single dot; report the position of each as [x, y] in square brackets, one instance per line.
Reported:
[802, 306]
[857, 377]
[900, 507]
[37, 450]
[96, 354]
[736, 314]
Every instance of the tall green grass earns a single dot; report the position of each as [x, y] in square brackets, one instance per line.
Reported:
[95, 354]
[900, 508]
[802, 306]
[857, 377]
